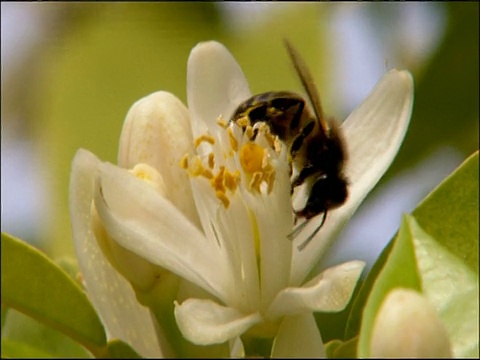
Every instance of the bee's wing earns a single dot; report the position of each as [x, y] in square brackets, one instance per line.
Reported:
[308, 85]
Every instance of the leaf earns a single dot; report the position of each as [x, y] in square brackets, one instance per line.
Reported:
[22, 329]
[451, 286]
[450, 212]
[34, 285]
[400, 270]
[117, 349]
[16, 349]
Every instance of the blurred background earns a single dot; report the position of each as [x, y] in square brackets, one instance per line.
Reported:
[70, 72]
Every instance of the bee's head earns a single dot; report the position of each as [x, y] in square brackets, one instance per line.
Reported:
[327, 192]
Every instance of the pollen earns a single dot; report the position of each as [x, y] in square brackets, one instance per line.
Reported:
[221, 122]
[197, 169]
[231, 180]
[223, 198]
[211, 160]
[233, 141]
[184, 162]
[251, 157]
[204, 138]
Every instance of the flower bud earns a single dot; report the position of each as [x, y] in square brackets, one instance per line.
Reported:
[407, 325]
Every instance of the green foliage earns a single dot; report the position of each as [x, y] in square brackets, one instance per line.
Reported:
[450, 213]
[440, 262]
[34, 285]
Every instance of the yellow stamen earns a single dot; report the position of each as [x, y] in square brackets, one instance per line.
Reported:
[211, 160]
[196, 168]
[221, 122]
[217, 181]
[256, 181]
[223, 198]
[204, 138]
[233, 141]
[231, 180]
[184, 162]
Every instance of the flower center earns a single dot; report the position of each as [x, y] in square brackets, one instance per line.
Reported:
[234, 158]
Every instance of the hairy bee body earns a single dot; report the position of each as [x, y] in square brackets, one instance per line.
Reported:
[316, 146]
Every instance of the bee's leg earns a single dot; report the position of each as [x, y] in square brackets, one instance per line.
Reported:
[312, 235]
[296, 230]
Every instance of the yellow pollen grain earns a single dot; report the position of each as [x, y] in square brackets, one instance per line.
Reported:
[196, 168]
[249, 132]
[211, 160]
[207, 173]
[184, 162]
[233, 141]
[243, 122]
[204, 138]
[251, 157]
[223, 198]
[217, 181]
[221, 122]
[231, 180]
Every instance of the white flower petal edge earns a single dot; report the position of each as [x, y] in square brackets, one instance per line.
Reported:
[407, 325]
[205, 322]
[215, 85]
[144, 222]
[329, 291]
[373, 132]
[157, 132]
[112, 296]
[298, 337]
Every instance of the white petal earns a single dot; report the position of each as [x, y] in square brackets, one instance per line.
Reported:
[407, 325]
[205, 322]
[144, 222]
[111, 295]
[298, 337]
[215, 85]
[157, 132]
[330, 291]
[373, 134]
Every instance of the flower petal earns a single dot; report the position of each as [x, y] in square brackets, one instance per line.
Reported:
[110, 293]
[407, 325]
[157, 132]
[373, 134]
[215, 86]
[142, 221]
[329, 291]
[298, 337]
[205, 322]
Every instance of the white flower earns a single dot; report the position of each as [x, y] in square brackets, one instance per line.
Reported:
[221, 222]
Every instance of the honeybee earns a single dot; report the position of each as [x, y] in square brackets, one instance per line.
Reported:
[316, 146]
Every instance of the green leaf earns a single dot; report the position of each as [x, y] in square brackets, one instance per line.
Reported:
[447, 282]
[32, 335]
[16, 349]
[450, 212]
[452, 287]
[117, 349]
[400, 270]
[34, 285]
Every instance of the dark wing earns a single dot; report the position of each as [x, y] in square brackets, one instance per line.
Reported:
[308, 85]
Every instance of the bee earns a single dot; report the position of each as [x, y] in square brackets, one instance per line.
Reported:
[317, 149]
